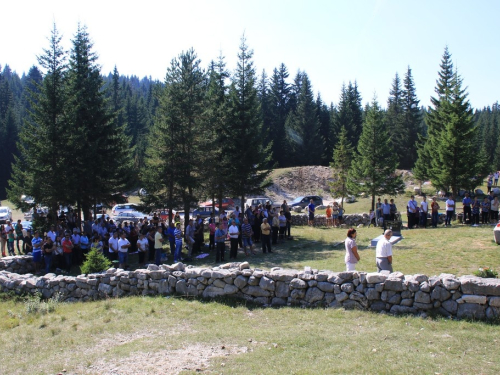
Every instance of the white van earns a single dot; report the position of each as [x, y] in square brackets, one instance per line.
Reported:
[125, 207]
[254, 202]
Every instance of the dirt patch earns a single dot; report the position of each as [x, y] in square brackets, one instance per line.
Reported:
[194, 357]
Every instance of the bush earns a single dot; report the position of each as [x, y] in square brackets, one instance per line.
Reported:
[486, 273]
[35, 304]
[95, 262]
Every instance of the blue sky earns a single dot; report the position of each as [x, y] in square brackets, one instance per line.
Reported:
[334, 42]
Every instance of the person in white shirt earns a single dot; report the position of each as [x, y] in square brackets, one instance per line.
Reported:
[77, 251]
[142, 247]
[424, 208]
[52, 233]
[234, 232]
[450, 209]
[123, 245]
[495, 177]
[384, 252]
[113, 247]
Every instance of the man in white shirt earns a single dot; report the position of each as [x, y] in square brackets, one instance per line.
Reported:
[77, 251]
[158, 245]
[52, 233]
[142, 247]
[424, 208]
[190, 237]
[113, 246]
[234, 232]
[384, 252]
[450, 209]
[495, 177]
[123, 245]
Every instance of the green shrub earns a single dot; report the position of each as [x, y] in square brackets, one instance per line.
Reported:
[35, 304]
[95, 262]
[486, 273]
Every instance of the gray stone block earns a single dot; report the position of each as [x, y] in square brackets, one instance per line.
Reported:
[313, 295]
[471, 311]
[421, 297]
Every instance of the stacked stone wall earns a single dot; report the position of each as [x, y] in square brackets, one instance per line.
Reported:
[463, 297]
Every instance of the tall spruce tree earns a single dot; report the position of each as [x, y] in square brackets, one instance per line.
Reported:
[395, 121]
[250, 156]
[175, 151]
[428, 163]
[412, 121]
[325, 131]
[101, 164]
[303, 128]
[373, 168]
[40, 170]
[279, 97]
[451, 153]
[340, 166]
[350, 112]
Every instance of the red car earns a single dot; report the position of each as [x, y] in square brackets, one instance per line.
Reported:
[227, 204]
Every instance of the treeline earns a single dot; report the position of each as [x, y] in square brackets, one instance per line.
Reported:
[94, 148]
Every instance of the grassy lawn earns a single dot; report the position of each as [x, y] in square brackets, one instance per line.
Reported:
[172, 335]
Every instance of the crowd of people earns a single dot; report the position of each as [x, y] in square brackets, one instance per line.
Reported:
[67, 243]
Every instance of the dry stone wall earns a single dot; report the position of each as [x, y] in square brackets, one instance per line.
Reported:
[464, 297]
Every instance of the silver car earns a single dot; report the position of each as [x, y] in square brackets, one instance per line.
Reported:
[5, 214]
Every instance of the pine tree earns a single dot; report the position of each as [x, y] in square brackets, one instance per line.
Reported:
[412, 121]
[395, 121]
[325, 131]
[428, 163]
[340, 166]
[373, 169]
[250, 156]
[218, 166]
[303, 127]
[457, 147]
[350, 112]
[279, 97]
[40, 169]
[101, 162]
[176, 140]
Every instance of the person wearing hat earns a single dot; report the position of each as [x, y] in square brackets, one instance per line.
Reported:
[384, 252]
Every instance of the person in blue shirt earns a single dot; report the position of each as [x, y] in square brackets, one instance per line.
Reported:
[467, 202]
[220, 238]
[476, 205]
[311, 208]
[37, 244]
[171, 238]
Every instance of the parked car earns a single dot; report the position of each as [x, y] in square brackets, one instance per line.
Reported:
[124, 207]
[348, 199]
[227, 204]
[254, 202]
[304, 201]
[204, 212]
[132, 216]
[5, 214]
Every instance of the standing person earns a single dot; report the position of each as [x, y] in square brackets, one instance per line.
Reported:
[246, 234]
[450, 209]
[424, 209]
[311, 208]
[190, 229]
[178, 242]
[220, 238]
[19, 236]
[10, 242]
[211, 228]
[489, 183]
[434, 212]
[36, 244]
[383, 252]
[123, 245]
[275, 228]
[77, 253]
[329, 217]
[476, 207]
[282, 220]
[158, 245]
[234, 232]
[142, 247]
[378, 211]
[393, 210]
[351, 250]
[466, 203]
[335, 214]
[288, 215]
[84, 244]
[412, 212]
[494, 210]
[265, 230]
[3, 239]
[386, 212]
[113, 247]
[495, 177]
[485, 208]
[171, 238]
[67, 246]
[48, 249]
[341, 214]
